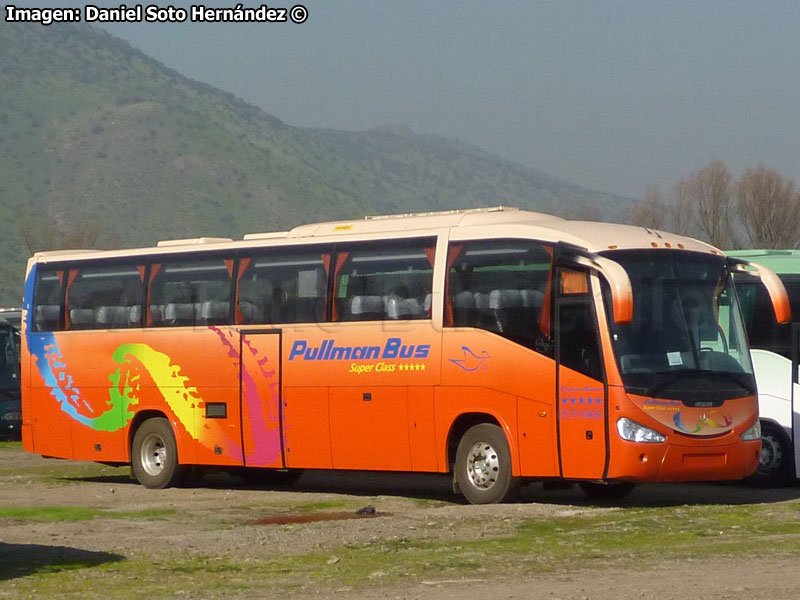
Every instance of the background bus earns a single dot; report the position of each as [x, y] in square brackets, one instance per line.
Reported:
[10, 408]
[774, 350]
[12, 316]
[497, 345]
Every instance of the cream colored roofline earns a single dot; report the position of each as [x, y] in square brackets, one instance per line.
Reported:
[417, 221]
[437, 213]
[487, 223]
[201, 241]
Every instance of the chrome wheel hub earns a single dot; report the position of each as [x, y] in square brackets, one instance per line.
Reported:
[154, 455]
[483, 465]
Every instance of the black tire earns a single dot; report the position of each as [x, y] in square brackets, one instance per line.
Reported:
[615, 490]
[483, 465]
[154, 455]
[776, 461]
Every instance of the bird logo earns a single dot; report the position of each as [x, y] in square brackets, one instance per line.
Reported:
[471, 362]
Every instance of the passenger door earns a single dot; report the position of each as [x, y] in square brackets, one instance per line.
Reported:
[260, 398]
[581, 391]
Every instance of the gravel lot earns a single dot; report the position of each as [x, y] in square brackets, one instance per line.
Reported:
[412, 507]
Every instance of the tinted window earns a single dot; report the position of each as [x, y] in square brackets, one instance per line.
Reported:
[377, 282]
[282, 287]
[686, 339]
[501, 286]
[9, 353]
[190, 293]
[47, 300]
[104, 297]
[763, 331]
[579, 344]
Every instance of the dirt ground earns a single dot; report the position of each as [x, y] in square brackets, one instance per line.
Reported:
[413, 507]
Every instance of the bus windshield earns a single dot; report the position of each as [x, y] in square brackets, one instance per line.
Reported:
[686, 340]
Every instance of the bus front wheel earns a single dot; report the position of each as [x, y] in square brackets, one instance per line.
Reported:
[154, 454]
[775, 461]
[483, 465]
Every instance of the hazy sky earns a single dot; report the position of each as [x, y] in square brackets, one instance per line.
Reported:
[614, 96]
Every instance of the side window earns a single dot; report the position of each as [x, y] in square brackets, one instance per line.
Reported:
[763, 330]
[47, 300]
[282, 287]
[387, 281]
[106, 297]
[579, 342]
[190, 292]
[502, 286]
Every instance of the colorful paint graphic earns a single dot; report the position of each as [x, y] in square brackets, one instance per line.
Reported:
[692, 420]
[123, 392]
[702, 421]
[143, 368]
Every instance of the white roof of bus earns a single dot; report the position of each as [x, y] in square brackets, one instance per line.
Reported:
[496, 222]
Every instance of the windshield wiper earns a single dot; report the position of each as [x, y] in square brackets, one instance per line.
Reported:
[654, 389]
[737, 379]
[657, 388]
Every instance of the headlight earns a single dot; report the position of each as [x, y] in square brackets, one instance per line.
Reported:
[752, 434]
[633, 432]
[12, 416]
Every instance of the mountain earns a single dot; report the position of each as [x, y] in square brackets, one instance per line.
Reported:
[101, 144]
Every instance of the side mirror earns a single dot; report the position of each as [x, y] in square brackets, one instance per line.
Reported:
[613, 273]
[621, 290]
[772, 283]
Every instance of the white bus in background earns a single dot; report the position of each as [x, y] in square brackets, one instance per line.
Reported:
[774, 348]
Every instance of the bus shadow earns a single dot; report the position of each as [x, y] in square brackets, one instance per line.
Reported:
[667, 495]
[423, 486]
[438, 487]
[108, 479]
[19, 560]
[420, 486]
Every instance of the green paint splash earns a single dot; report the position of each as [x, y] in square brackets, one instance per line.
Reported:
[125, 387]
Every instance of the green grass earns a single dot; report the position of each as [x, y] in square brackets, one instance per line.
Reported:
[628, 537]
[624, 538]
[51, 514]
[62, 473]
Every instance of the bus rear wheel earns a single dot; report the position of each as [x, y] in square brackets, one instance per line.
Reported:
[483, 465]
[154, 455]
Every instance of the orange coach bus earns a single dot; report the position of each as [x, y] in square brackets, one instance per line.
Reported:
[497, 345]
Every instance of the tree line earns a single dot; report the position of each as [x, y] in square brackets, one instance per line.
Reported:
[760, 209]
